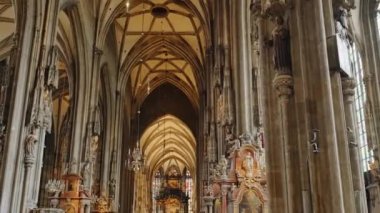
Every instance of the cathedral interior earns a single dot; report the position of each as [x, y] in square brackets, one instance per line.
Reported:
[187, 106]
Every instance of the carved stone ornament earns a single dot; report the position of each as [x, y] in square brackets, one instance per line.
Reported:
[53, 73]
[351, 137]
[281, 47]
[94, 146]
[86, 175]
[47, 110]
[54, 187]
[246, 138]
[221, 109]
[284, 86]
[248, 165]
[112, 187]
[102, 204]
[30, 142]
[275, 8]
[256, 7]
[348, 88]
[223, 163]
[375, 170]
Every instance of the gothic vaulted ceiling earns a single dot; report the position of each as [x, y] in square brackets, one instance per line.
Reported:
[166, 142]
[162, 41]
[7, 22]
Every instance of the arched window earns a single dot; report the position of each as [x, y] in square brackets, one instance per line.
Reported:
[189, 188]
[366, 154]
[156, 185]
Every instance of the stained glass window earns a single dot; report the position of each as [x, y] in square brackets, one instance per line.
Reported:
[189, 189]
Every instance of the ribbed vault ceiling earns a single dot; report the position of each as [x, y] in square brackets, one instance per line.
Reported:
[166, 142]
[7, 20]
[162, 41]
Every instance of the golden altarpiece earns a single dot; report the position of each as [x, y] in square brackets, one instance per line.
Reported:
[239, 183]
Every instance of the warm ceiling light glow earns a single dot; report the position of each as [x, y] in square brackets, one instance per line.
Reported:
[127, 5]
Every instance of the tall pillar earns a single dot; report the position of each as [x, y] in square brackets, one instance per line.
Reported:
[241, 41]
[284, 88]
[34, 36]
[343, 150]
[348, 87]
[325, 178]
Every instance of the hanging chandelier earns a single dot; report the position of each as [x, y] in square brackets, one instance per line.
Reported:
[136, 159]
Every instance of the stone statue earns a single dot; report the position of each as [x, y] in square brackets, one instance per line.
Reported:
[30, 142]
[112, 187]
[94, 145]
[47, 109]
[375, 170]
[221, 109]
[53, 74]
[223, 167]
[86, 174]
[234, 145]
[351, 137]
[341, 23]
[281, 47]
[248, 165]
[54, 187]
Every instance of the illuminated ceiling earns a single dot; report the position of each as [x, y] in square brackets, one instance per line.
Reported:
[162, 41]
[166, 142]
[7, 22]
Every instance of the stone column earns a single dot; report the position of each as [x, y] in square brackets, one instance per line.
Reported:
[284, 87]
[325, 178]
[28, 44]
[224, 192]
[241, 41]
[348, 87]
[29, 160]
[209, 203]
[343, 151]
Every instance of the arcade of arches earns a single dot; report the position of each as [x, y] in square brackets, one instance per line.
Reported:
[166, 106]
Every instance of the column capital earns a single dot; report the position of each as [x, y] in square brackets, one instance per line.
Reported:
[348, 88]
[284, 86]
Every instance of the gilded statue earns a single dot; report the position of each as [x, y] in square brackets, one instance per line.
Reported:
[248, 165]
[375, 170]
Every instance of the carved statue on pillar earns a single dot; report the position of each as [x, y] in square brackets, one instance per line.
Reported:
[341, 23]
[94, 146]
[223, 163]
[97, 125]
[53, 73]
[351, 137]
[30, 141]
[375, 170]
[112, 188]
[281, 47]
[86, 175]
[221, 109]
[47, 109]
